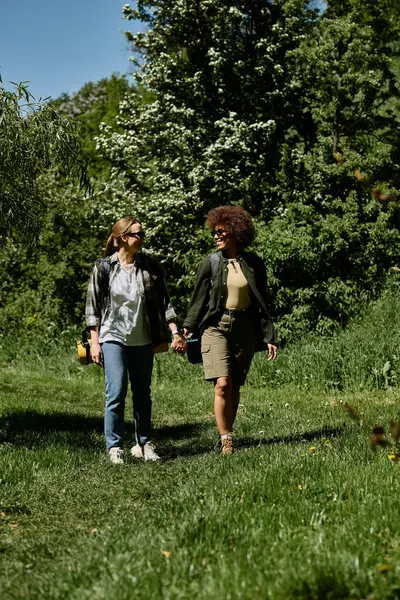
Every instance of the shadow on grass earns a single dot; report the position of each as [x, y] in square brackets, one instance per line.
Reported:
[199, 447]
[295, 438]
[31, 429]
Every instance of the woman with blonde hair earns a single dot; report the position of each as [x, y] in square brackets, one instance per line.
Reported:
[129, 313]
[229, 309]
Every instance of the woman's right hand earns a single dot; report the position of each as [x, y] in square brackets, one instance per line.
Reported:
[97, 355]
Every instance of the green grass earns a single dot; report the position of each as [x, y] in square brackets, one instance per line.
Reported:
[303, 509]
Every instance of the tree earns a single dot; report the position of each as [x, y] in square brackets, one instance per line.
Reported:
[33, 138]
[332, 240]
[95, 103]
[284, 110]
[290, 112]
[44, 286]
[219, 100]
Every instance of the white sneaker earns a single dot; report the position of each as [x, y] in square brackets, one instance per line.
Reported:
[116, 455]
[137, 451]
[147, 451]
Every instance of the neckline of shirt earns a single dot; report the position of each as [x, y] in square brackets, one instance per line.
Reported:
[230, 261]
[128, 267]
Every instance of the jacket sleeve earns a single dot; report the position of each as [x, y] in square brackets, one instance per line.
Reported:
[200, 296]
[170, 314]
[93, 308]
[164, 299]
[269, 331]
[261, 278]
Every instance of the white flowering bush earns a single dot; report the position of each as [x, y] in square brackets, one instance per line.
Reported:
[275, 107]
[214, 112]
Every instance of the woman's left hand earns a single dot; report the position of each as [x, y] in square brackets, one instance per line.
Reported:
[178, 344]
[272, 352]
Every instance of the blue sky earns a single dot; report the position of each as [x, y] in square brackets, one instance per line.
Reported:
[59, 46]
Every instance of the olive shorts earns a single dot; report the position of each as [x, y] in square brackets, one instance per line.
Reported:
[228, 349]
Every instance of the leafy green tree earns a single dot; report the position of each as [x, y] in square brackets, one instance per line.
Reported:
[284, 110]
[220, 100]
[332, 241]
[94, 104]
[33, 138]
[44, 286]
[291, 112]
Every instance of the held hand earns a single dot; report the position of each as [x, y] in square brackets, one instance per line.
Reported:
[272, 352]
[178, 344]
[97, 355]
[186, 333]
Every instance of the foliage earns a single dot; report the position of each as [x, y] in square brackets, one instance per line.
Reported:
[44, 286]
[95, 103]
[289, 111]
[364, 356]
[33, 138]
[291, 114]
[218, 72]
[331, 242]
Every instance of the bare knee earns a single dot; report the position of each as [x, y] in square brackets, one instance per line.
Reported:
[223, 386]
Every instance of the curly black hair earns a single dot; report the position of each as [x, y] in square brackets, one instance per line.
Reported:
[237, 222]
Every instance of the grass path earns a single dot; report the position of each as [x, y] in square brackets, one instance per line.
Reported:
[304, 509]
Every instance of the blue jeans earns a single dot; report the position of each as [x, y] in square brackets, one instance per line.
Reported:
[119, 362]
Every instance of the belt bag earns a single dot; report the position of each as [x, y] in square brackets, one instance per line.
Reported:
[193, 350]
[84, 349]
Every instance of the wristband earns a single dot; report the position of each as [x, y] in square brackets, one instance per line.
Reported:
[175, 332]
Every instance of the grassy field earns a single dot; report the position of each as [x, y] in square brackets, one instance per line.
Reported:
[303, 509]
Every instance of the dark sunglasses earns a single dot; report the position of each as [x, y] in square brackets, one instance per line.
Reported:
[136, 234]
[219, 232]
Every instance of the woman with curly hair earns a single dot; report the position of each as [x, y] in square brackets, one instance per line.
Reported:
[229, 309]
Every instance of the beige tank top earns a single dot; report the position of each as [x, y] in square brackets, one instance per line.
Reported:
[238, 296]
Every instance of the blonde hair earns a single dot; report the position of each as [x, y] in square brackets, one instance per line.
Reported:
[121, 227]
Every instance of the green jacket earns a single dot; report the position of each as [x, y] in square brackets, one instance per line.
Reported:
[209, 297]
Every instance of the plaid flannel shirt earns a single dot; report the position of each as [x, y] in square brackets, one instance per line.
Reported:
[159, 310]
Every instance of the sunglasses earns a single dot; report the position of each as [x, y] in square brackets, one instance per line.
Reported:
[136, 234]
[219, 233]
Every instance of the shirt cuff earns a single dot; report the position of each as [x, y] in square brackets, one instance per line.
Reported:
[170, 314]
[92, 322]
